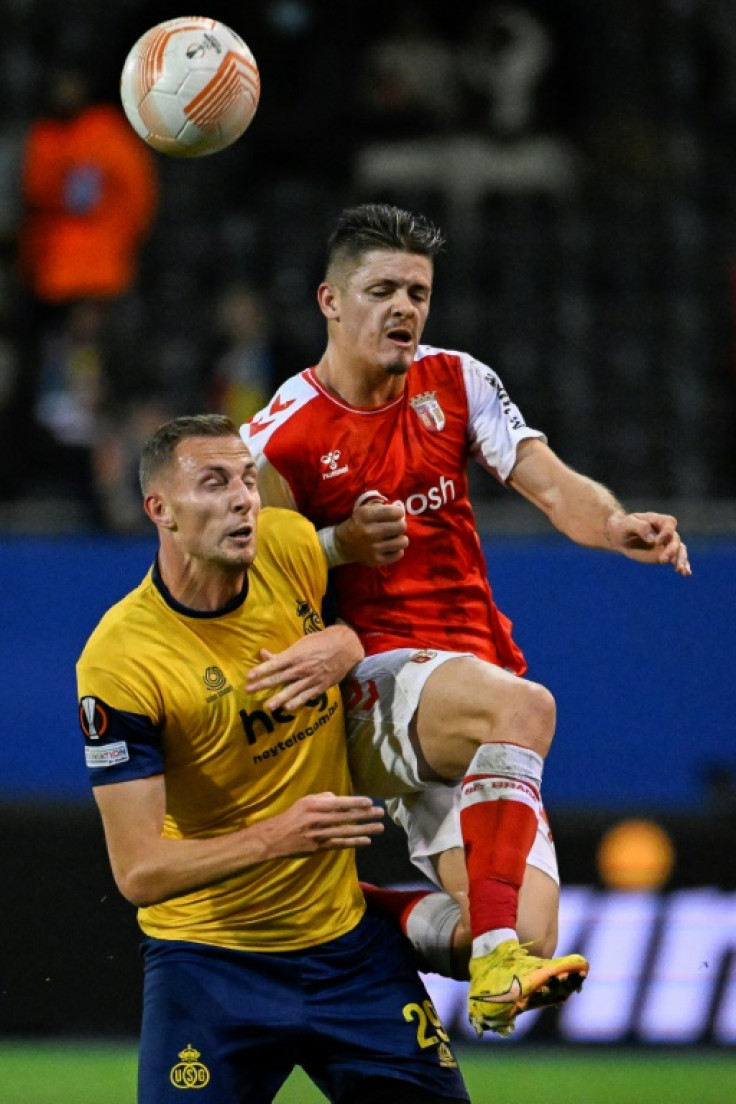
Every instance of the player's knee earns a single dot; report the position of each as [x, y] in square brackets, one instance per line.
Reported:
[527, 717]
[535, 719]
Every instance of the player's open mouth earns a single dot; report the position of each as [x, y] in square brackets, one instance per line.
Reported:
[400, 336]
[244, 533]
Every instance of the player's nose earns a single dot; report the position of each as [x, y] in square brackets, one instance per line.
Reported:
[402, 304]
[243, 497]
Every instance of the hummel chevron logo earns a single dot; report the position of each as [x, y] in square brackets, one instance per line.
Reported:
[512, 994]
[276, 408]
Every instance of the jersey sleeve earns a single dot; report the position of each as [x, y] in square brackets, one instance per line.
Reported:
[314, 566]
[495, 424]
[295, 546]
[263, 431]
[122, 738]
[272, 487]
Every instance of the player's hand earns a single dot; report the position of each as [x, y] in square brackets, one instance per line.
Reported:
[322, 822]
[649, 538]
[308, 668]
[375, 534]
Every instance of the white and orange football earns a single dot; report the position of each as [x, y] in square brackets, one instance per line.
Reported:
[190, 87]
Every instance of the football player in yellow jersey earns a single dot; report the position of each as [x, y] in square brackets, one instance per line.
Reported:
[233, 826]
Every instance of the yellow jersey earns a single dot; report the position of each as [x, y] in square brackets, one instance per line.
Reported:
[161, 691]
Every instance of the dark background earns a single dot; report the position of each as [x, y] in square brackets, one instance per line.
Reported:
[606, 308]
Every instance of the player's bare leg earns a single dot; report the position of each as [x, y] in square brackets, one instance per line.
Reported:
[537, 917]
[478, 723]
[438, 922]
[539, 906]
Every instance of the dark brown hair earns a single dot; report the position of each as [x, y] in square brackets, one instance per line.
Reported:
[381, 226]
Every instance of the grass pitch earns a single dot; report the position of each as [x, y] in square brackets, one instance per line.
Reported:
[95, 1073]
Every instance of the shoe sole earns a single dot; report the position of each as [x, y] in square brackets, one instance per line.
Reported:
[551, 992]
[556, 991]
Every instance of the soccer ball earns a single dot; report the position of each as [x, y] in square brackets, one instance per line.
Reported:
[190, 87]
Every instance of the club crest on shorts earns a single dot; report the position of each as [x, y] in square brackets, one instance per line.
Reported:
[190, 1073]
[424, 656]
[429, 411]
[446, 1057]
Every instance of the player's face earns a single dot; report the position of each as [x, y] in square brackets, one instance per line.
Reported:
[213, 500]
[383, 309]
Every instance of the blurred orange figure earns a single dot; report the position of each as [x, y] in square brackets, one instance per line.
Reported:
[90, 191]
[90, 195]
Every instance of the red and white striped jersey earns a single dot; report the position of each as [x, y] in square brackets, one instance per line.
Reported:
[317, 454]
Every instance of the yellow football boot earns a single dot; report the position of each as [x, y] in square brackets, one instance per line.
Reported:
[509, 980]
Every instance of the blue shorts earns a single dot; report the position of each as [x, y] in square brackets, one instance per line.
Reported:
[232, 1025]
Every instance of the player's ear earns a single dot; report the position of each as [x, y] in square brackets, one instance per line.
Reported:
[158, 510]
[328, 299]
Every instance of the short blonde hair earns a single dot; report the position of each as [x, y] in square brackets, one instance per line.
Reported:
[160, 447]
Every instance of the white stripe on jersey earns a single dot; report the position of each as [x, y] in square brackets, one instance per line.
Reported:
[495, 423]
[295, 393]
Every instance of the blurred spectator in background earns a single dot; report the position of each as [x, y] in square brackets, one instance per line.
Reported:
[243, 371]
[90, 193]
[120, 439]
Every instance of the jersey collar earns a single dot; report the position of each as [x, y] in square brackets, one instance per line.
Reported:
[234, 603]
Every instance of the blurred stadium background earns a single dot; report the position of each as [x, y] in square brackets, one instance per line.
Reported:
[592, 242]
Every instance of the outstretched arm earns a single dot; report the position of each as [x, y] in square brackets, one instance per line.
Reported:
[587, 513]
[149, 869]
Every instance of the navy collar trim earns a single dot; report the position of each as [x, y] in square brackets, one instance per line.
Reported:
[178, 607]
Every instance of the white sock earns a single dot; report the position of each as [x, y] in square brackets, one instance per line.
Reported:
[429, 926]
[488, 941]
[508, 761]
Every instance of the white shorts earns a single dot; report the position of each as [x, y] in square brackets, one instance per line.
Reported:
[381, 696]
